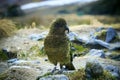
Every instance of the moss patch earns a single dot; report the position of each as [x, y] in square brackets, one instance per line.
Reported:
[80, 50]
[3, 56]
[101, 35]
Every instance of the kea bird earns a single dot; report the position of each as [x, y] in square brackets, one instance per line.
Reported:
[57, 45]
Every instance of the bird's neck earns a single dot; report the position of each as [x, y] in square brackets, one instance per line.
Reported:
[57, 33]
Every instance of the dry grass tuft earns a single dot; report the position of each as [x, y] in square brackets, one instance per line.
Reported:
[7, 27]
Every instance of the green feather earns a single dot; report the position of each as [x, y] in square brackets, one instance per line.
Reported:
[56, 44]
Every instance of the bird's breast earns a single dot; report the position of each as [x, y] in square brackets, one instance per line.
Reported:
[56, 42]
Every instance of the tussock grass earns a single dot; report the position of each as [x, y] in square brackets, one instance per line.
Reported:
[108, 19]
[44, 19]
[80, 75]
[113, 21]
[7, 28]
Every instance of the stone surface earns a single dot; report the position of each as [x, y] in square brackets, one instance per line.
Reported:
[3, 66]
[20, 73]
[55, 77]
[37, 37]
[110, 35]
[72, 36]
[97, 44]
[96, 53]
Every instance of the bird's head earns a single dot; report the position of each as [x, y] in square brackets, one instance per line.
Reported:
[59, 26]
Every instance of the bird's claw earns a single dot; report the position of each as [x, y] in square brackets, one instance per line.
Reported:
[57, 71]
[54, 69]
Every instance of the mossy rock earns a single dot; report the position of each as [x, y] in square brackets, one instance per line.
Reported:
[102, 36]
[93, 70]
[19, 73]
[80, 75]
[3, 56]
[7, 28]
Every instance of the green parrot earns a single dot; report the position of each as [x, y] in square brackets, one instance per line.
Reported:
[57, 45]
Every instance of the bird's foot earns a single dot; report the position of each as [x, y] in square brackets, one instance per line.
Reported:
[62, 70]
[54, 70]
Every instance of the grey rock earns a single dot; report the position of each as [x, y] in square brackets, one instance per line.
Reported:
[93, 69]
[96, 53]
[72, 36]
[12, 60]
[3, 66]
[97, 44]
[55, 77]
[113, 70]
[37, 37]
[80, 41]
[102, 43]
[114, 46]
[21, 73]
[111, 33]
[15, 61]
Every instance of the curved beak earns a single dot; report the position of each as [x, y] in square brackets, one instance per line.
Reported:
[67, 29]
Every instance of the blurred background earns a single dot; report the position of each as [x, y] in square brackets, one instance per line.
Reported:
[76, 12]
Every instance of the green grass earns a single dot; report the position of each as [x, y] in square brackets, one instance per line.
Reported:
[33, 52]
[36, 49]
[80, 50]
